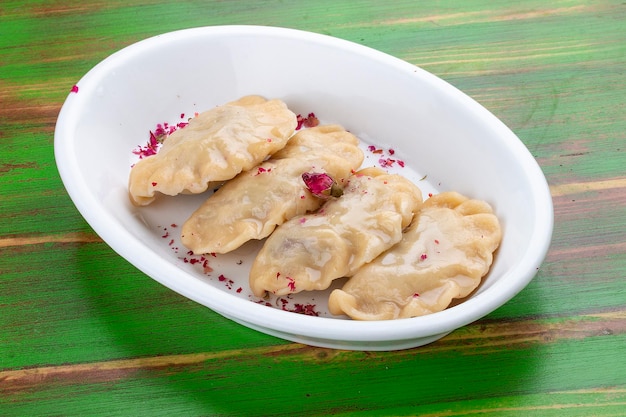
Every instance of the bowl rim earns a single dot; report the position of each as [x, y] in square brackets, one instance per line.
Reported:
[103, 223]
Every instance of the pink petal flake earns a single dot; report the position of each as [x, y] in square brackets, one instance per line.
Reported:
[261, 170]
[386, 162]
[74, 89]
[310, 121]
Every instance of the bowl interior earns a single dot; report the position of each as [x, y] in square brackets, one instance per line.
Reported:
[436, 130]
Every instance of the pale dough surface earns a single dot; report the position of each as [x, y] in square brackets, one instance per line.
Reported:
[443, 256]
[215, 146]
[309, 251]
[255, 202]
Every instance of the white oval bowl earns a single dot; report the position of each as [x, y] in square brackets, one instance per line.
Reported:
[436, 129]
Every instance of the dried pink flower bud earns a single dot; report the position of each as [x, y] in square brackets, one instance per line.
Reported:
[321, 185]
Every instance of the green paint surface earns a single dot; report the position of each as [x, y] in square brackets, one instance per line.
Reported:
[90, 323]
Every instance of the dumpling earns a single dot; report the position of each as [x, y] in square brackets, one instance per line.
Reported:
[309, 251]
[255, 202]
[444, 255]
[215, 146]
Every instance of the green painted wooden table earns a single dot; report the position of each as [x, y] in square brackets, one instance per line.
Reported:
[82, 332]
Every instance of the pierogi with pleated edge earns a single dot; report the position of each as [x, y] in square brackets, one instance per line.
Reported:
[443, 256]
[251, 205]
[309, 251]
[215, 146]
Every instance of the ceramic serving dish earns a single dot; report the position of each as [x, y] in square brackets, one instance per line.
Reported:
[446, 141]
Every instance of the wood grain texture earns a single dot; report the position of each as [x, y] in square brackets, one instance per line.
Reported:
[82, 332]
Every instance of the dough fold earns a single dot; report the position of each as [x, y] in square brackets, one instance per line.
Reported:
[309, 251]
[251, 205]
[444, 254]
[215, 146]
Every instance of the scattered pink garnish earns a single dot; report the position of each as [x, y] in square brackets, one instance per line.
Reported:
[383, 161]
[162, 131]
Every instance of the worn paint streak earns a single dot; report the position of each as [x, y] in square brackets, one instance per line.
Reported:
[603, 390]
[519, 332]
[500, 410]
[581, 187]
[38, 240]
[117, 369]
[4, 168]
[535, 14]
[17, 108]
[517, 51]
[62, 9]
[481, 16]
[530, 55]
[587, 251]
